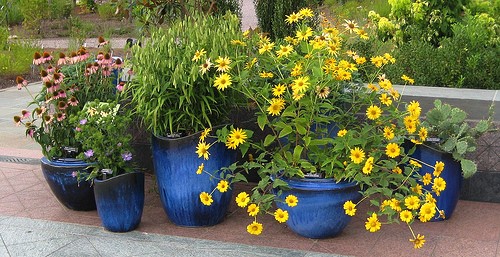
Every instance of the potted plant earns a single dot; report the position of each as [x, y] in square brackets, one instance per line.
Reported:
[450, 139]
[332, 135]
[176, 102]
[67, 84]
[102, 130]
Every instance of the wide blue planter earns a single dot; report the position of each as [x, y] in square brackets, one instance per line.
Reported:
[175, 164]
[78, 196]
[452, 174]
[320, 209]
[120, 201]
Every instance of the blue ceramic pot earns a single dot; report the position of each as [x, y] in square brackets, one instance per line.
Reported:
[175, 163]
[59, 175]
[452, 174]
[320, 210]
[120, 201]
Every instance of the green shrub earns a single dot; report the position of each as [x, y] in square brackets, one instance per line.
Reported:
[10, 13]
[33, 12]
[357, 9]
[79, 30]
[4, 37]
[106, 10]
[17, 59]
[60, 8]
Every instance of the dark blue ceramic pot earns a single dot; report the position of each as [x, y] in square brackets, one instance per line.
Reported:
[452, 174]
[175, 163]
[320, 209]
[120, 201]
[59, 175]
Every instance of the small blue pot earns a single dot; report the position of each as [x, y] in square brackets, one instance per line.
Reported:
[59, 175]
[320, 209]
[175, 163]
[120, 201]
[452, 174]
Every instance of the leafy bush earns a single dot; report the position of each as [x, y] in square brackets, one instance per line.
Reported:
[60, 9]
[33, 12]
[10, 13]
[4, 37]
[106, 10]
[16, 60]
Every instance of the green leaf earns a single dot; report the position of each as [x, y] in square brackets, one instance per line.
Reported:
[457, 115]
[468, 168]
[450, 144]
[462, 147]
[269, 139]
[279, 183]
[262, 121]
[239, 177]
[482, 126]
[297, 152]
[300, 129]
[286, 130]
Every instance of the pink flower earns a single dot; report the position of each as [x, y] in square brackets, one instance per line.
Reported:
[106, 72]
[46, 77]
[46, 57]
[50, 69]
[58, 77]
[78, 129]
[89, 153]
[21, 82]
[25, 114]
[37, 59]
[73, 101]
[118, 63]
[62, 59]
[61, 93]
[31, 132]
[61, 116]
[120, 86]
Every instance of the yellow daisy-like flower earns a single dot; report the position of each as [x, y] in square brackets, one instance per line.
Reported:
[255, 228]
[368, 167]
[394, 93]
[291, 200]
[388, 133]
[266, 75]
[360, 60]
[408, 79]
[415, 163]
[237, 136]
[406, 216]
[205, 67]
[223, 81]
[385, 84]
[397, 170]
[378, 61]
[222, 186]
[384, 204]
[385, 99]
[266, 48]
[238, 42]
[206, 198]
[284, 51]
[279, 90]
[429, 198]
[296, 70]
[306, 12]
[253, 210]
[357, 155]
[389, 58]
[294, 17]
[202, 150]
[303, 35]
[343, 75]
[372, 87]
[277, 105]
[373, 224]
[350, 208]
[200, 169]
[250, 64]
[297, 96]
[427, 212]
[395, 204]
[281, 215]
[223, 64]
[350, 25]
[438, 168]
[426, 179]
[438, 185]
[198, 54]
[322, 92]
[414, 109]
[392, 150]
[422, 133]
[362, 34]
[230, 144]
[418, 241]
[342, 132]
[417, 189]
[373, 112]
[205, 133]
[242, 199]
[301, 84]
[412, 202]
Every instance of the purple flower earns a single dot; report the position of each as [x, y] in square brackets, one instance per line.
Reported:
[127, 156]
[89, 153]
[74, 174]
[83, 122]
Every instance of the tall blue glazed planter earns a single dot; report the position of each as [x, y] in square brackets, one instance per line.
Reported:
[452, 174]
[175, 163]
[320, 209]
[59, 174]
[120, 201]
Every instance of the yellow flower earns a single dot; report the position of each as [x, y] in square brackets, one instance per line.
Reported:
[394, 93]
[385, 84]
[300, 84]
[237, 136]
[412, 202]
[384, 204]
[368, 167]
[427, 212]
[342, 132]
[304, 34]
[279, 90]
[373, 112]
[385, 99]
[306, 12]
[422, 133]
[253, 210]
[205, 67]
[362, 33]
[360, 60]
[291, 200]
[281, 215]
[406, 216]
[429, 198]
[392, 150]
[202, 150]
[378, 61]
[266, 74]
[297, 96]
[294, 17]
[223, 186]
[350, 25]
[408, 79]
[284, 51]
[395, 204]
[206, 198]
[418, 241]
[388, 133]
[266, 48]
[438, 185]
[426, 179]
[198, 54]
[223, 64]
[397, 170]
[350, 208]
[417, 189]
[373, 224]
[242, 199]
[389, 58]
[322, 92]
[204, 134]
[250, 64]
[296, 70]
[255, 228]
[230, 144]
[357, 155]
[200, 169]
[277, 105]
[438, 168]
[414, 109]
[238, 42]
[223, 81]
[415, 163]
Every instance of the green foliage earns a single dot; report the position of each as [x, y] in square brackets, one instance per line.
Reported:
[170, 94]
[16, 59]
[10, 12]
[60, 9]
[4, 36]
[33, 12]
[357, 9]
[79, 30]
[88, 5]
[106, 10]
[448, 124]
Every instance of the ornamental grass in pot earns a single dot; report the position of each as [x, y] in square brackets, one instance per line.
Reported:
[324, 115]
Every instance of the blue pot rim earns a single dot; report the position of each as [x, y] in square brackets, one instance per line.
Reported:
[318, 184]
[187, 137]
[117, 176]
[67, 162]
